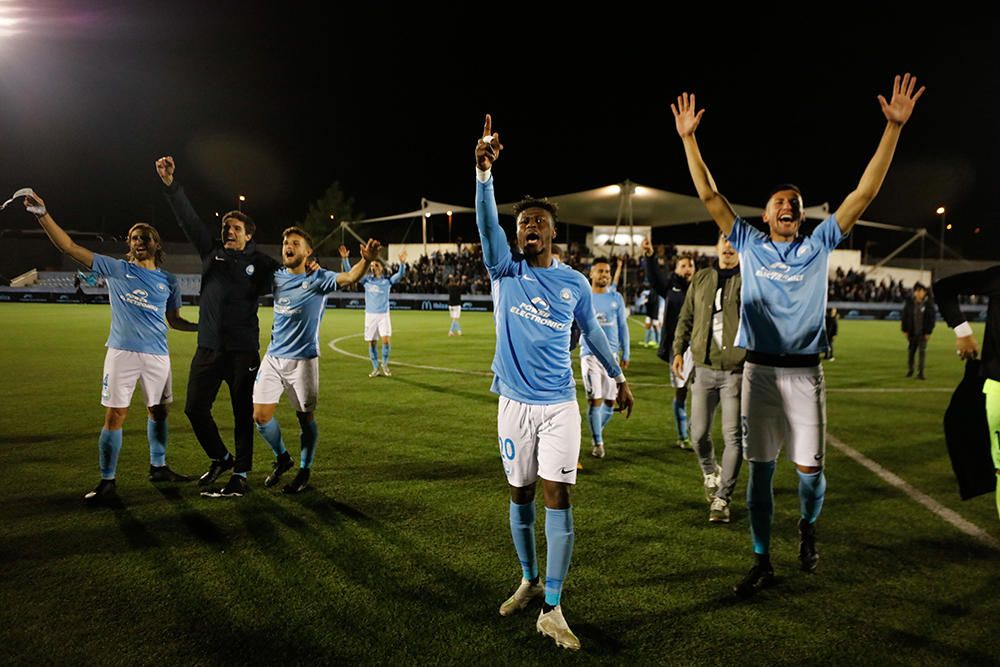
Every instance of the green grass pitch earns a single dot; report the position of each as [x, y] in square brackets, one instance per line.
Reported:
[401, 552]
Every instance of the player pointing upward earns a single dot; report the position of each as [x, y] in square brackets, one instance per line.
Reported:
[535, 300]
[783, 302]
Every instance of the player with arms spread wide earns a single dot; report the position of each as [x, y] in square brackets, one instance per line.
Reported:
[783, 302]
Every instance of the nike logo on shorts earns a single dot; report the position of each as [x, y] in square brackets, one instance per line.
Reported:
[253, 368]
[566, 472]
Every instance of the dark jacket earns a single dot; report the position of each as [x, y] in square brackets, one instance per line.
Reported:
[231, 282]
[673, 288]
[929, 317]
[986, 283]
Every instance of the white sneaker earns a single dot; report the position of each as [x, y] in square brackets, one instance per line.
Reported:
[374, 373]
[711, 485]
[524, 594]
[598, 451]
[385, 371]
[719, 511]
[554, 625]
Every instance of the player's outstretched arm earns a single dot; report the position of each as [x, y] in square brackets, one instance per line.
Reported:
[659, 280]
[56, 234]
[495, 247]
[897, 111]
[369, 252]
[687, 121]
[401, 271]
[946, 293]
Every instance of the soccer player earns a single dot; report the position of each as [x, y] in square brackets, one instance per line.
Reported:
[456, 286]
[706, 332]
[672, 288]
[291, 364]
[141, 296]
[986, 283]
[609, 307]
[783, 303]
[535, 301]
[649, 303]
[377, 322]
[233, 276]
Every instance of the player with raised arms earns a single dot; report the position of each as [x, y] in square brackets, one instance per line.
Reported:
[377, 321]
[783, 304]
[142, 296]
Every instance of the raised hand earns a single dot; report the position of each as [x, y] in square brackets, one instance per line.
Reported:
[647, 247]
[402, 257]
[34, 204]
[899, 108]
[488, 148]
[344, 252]
[165, 169]
[684, 115]
[369, 250]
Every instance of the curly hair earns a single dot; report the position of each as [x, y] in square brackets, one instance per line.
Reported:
[533, 202]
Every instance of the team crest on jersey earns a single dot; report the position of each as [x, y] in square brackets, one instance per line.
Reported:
[161, 287]
[305, 284]
[565, 294]
[804, 249]
[250, 269]
[284, 301]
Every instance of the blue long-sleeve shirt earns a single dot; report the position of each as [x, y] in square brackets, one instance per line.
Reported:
[377, 289]
[609, 307]
[534, 309]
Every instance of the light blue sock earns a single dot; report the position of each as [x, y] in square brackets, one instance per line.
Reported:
[373, 355]
[607, 412]
[559, 535]
[596, 426]
[109, 445]
[156, 431]
[681, 419]
[241, 474]
[385, 353]
[760, 502]
[451, 329]
[458, 327]
[649, 335]
[271, 433]
[812, 489]
[522, 529]
[656, 336]
[308, 440]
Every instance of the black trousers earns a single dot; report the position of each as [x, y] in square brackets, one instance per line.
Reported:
[209, 369]
[917, 344]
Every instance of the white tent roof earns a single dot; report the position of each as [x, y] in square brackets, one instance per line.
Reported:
[651, 207]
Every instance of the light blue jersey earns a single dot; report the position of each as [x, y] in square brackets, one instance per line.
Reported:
[609, 308]
[783, 299]
[299, 304]
[140, 299]
[534, 309]
[377, 289]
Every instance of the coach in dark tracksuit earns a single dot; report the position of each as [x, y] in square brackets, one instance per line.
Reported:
[233, 276]
[673, 288]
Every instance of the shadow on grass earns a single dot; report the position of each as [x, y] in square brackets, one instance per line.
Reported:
[481, 397]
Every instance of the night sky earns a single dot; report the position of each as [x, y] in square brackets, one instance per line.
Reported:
[276, 102]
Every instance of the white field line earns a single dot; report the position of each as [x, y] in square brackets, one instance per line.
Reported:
[915, 494]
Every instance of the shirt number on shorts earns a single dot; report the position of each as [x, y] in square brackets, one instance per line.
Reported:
[506, 448]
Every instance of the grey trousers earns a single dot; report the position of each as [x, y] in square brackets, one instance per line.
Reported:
[709, 388]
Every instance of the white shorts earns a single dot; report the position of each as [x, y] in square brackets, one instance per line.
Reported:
[377, 325]
[784, 407]
[298, 378]
[455, 311]
[122, 369]
[538, 441]
[596, 381]
[688, 358]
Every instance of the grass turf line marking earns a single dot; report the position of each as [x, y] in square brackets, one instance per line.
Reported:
[333, 346]
[952, 517]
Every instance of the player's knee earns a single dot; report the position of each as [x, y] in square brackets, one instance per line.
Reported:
[305, 418]
[808, 469]
[114, 418]
[158, 412]
[521, 495]
[609, 403]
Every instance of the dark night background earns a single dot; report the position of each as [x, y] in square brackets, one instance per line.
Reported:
[278, 101]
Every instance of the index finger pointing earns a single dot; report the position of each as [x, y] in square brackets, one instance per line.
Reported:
[488, 127]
